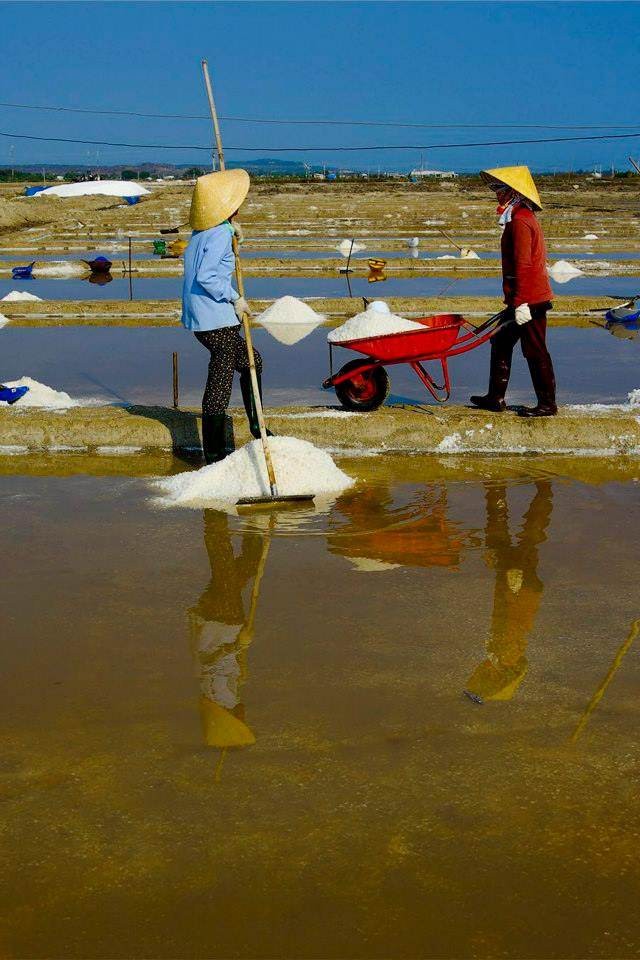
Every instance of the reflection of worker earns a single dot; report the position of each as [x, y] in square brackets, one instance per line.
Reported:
[419, 534]
[517, 593]
[526, 291]
[212, 309]
[220, 633]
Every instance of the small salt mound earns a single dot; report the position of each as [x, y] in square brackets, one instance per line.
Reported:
[468, 254]
[634, 398]
[562, 271]
[40, 395]
[413, 242]
[4, 320]
[446, 256]
[20, 295]
[344, 247]
[300, 468]
[374, 322]
[590, 236]
[289, 310]
[59, 268]
[290, 320]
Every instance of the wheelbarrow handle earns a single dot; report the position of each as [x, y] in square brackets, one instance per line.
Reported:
[499, 319]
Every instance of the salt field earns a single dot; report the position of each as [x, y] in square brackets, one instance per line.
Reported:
[396, 720]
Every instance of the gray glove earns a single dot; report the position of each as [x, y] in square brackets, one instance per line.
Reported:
[241, 307]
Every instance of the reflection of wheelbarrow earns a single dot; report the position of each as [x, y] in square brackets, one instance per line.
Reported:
[363, 385]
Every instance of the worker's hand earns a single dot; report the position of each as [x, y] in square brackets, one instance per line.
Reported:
[523, 314]
[237, 229]
[241, 307]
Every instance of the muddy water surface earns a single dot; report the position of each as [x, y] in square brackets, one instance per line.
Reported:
[249, 736]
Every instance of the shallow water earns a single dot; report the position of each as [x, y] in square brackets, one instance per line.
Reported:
[379, 812]
[135, 365]
[266, 288]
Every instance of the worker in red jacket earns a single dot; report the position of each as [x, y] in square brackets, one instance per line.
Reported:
[526, 292]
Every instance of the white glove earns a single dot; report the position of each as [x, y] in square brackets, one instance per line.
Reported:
[241, 306]
[523, 314]
[237, 229]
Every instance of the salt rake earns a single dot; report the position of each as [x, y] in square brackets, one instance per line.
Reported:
[274, 498]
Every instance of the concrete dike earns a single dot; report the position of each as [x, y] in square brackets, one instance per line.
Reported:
[129, 430]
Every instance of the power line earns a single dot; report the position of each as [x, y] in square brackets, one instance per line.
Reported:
[324, 148]
[333, 123]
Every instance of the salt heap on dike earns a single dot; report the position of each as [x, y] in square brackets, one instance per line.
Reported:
[16, 295]
[40, 395]
[562, 271]
[300, 468]
[376, 321]
[344, 247]
[289, 320]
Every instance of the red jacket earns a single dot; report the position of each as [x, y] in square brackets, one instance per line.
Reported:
[524, 260]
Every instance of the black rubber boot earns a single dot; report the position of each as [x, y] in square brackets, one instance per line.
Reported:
[544, 384]
[499, 374]
[249, 405]
[215, 444]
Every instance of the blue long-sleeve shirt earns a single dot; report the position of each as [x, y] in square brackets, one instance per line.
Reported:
[207, 292]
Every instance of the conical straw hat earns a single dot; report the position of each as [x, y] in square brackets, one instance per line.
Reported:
[518, 178]
[216, 196]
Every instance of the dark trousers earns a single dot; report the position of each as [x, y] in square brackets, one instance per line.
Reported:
[532, 337]
[228, 353]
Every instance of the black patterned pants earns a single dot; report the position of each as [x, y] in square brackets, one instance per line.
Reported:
[228, 353]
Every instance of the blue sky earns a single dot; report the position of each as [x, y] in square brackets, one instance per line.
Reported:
[458, 63]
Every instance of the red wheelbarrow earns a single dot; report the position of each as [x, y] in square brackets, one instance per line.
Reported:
[363, 385]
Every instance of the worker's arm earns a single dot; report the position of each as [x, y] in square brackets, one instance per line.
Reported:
[216, 268]
[522, 261]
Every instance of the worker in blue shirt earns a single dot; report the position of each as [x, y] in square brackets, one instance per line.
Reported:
[212, 309]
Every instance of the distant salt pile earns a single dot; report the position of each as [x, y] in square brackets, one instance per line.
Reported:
[562, 271]
[590, 236]
[467, 254]
[16, 295]
[300, 468]
[59, 268]
[376, 321]
[344, 247]
[40, 395]
[290, 320]
[413, 242]
[4, 320]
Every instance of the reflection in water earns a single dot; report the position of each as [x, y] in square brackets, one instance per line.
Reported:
[517, 593]
[220, 631]
[379, 536]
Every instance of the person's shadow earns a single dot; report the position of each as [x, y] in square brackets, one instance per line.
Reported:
[182, 426]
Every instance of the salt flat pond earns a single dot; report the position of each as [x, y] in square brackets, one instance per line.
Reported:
[265, 288]
[135, 365]
[379, 811]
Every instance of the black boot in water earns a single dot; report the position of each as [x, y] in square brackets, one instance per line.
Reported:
[249, 405]
[214, 437]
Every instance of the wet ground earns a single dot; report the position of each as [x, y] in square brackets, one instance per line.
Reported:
[265, 288]
[135, 365]
[250, 737]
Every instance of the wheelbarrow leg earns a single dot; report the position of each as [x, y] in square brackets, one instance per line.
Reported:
[431, 384]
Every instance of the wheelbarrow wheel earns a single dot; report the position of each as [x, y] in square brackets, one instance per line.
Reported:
[363, 391]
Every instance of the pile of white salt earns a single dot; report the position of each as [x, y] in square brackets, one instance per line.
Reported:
[290, 320]
[40, 395]
[17, 295]
[344, 247]
[376, 321]
[300, 468]
[562, 271]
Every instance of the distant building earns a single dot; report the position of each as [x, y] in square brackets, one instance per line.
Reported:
[438, 174]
